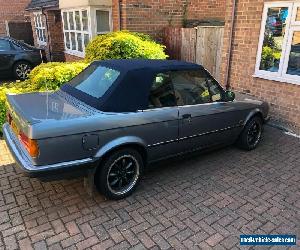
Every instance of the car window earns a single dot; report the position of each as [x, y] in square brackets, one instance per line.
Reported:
[24, 45]
[215, 90]
[162, 93]
[191, 87]
[4, 45]
[15, 46]
[95, 80]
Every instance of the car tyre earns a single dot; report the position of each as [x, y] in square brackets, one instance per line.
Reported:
[21, 70]
[119, 174]
[251, 134]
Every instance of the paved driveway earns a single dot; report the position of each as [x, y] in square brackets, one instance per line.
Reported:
[200, 202]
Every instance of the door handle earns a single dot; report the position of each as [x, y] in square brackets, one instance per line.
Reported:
[187, 116]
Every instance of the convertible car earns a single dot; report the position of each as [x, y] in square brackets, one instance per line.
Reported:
[119, 115]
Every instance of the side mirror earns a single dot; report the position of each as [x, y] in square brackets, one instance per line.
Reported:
[229, 96]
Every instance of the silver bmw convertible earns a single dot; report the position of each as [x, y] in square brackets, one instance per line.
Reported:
[117, 116]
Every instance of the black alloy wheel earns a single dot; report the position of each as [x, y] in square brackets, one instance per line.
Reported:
[251, 134]
[119, 173]
[123, 174]
[22, 70]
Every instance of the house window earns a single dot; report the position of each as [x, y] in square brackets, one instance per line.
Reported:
[80, 25]
[40, 28]
[103, 20]
[76, 31]
[278, 55]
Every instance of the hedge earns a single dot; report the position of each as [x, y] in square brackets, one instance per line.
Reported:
[124, 45]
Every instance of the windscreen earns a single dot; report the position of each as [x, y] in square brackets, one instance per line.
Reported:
[95, 80]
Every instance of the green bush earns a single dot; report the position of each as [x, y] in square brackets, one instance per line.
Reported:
[124, 45]
[48, 76]
[269, 57]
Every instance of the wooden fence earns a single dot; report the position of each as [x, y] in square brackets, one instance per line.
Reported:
[202, 45]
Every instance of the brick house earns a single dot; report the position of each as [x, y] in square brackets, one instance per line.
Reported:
[264, 54]
[64, 27]
[46, 24]
[14, 20]
[151, 16]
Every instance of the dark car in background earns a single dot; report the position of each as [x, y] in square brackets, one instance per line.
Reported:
[18, 58]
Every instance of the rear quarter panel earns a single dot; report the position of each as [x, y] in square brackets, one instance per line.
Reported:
[61, 149]
[143, 128]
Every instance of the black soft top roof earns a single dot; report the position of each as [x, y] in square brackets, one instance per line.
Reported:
[130, 92]
[138, 64]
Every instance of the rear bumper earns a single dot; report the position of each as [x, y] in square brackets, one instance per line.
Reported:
[23, 159]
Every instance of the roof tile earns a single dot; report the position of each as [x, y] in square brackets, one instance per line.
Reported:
[42, 3]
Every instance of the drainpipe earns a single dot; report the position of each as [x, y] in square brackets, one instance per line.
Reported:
[120, 14]
[229, 57]
[48, 34]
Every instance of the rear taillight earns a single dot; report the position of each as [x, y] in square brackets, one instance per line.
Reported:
[30, 144]
[9, 118]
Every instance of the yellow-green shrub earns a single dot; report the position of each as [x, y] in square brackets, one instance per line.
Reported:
[47, 76]
[52, 75]
[124, 45]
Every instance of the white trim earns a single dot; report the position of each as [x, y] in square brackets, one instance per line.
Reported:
[288, 51]
[294, 15]
[292, 134]
[277, 79]
[74, 53]
[7, 28]
[262, 36]
[281, 75]
[39, 24]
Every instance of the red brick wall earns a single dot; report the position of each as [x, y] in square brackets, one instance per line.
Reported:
[56, 35]
[55, 40]
[13, 10]
[284, 98]
[72, 58]
[151, 16]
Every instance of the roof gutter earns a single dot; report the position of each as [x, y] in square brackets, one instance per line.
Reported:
[41, 7]
[229, 53]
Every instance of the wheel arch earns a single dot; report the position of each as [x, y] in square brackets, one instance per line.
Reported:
[21, 60]
[125, 142]
[253, 113]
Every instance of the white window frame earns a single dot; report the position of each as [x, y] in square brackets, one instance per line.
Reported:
[291, 26]
[294, 16]
[92, 26]
[88, 32]
[288, 51]
[109, 10]
[39, 26]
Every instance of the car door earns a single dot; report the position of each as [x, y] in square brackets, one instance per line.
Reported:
[6, 55]
[161, 119]
[205, 119]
